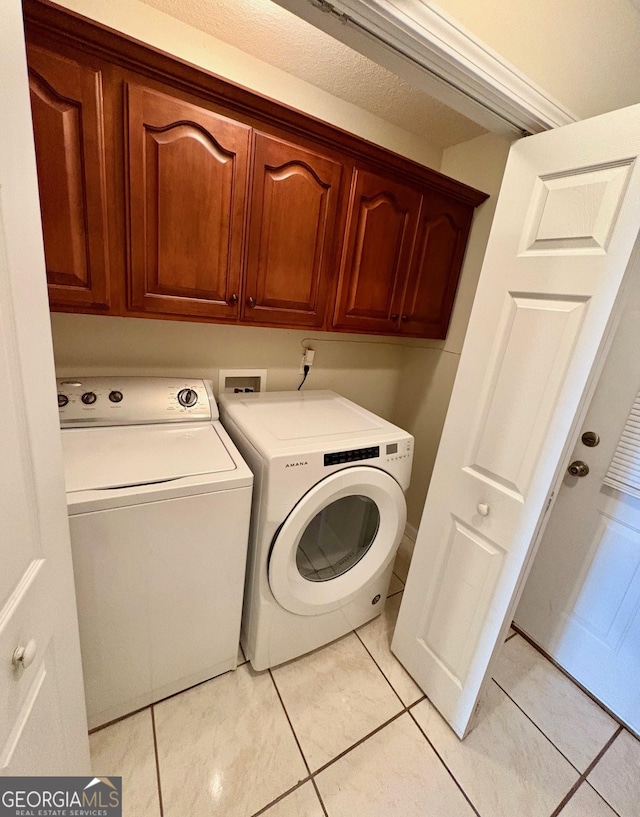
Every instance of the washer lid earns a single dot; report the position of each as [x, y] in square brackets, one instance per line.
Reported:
[137, 455]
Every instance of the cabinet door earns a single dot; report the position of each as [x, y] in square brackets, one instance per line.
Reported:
[381, 228]
[66, 105]
[187, 192]
[291, 235]
[437, 258]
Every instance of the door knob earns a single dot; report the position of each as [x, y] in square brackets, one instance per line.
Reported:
[233, 299]
[483, 509]
[24, 655]
[395, 317]
[251, 302]
[590, 438]
[578, 469]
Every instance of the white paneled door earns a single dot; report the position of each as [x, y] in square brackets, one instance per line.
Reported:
[581, 602]
[42, 715]
[561, 244]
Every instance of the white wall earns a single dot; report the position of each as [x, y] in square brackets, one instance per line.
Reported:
[583, 53]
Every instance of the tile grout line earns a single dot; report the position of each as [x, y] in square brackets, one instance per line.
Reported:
[118, 720]
[543, 733]
[155, 749]
[293, 731]
[448, 770]
[359, 742]
[162, 700]
[312, 775]
[333, 760]
[281, 797]
[286, 714]
[379, 668]
[585, 774]
[596, 792]
[318, 795]
[559, 667]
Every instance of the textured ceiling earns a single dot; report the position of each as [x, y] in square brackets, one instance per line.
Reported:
[269, 32]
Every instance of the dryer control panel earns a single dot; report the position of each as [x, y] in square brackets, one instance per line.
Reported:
[107, 401]
[355, 455]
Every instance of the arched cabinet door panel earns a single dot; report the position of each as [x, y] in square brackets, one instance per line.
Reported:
[381, 227]
[291, 247]
[441, 239]
[187, 169]
[66, 106]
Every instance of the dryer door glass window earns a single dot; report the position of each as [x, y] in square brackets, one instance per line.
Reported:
[337, 538]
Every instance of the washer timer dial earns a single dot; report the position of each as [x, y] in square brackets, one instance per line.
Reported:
[187, 397]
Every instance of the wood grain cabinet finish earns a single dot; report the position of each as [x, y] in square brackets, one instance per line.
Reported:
[187, 174]
[66, 104]
[291, 242]
[381, 228]
[192, 198]
[443, 229]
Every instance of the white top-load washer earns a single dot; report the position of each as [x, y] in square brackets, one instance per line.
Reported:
[328, 514]
[159, 502]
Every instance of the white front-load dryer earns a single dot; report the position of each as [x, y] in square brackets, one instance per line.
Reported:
[328, 515]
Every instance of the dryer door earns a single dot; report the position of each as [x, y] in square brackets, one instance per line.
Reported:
[342, 533]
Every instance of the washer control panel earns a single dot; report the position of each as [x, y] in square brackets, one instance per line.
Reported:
[104, 401]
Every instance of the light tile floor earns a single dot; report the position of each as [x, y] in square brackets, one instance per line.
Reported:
[345, 732]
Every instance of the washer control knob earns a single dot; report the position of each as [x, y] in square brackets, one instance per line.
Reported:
[89, 398]
[115, 396]
[187, 397]
[62, 400]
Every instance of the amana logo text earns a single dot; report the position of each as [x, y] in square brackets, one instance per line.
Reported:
[295, 464]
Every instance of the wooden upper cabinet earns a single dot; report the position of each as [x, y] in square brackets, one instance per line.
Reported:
[66, 104]
[291, 246]
[435, 268]
[381, 228]
[187, 169]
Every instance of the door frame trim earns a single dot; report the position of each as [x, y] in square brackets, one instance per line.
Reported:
[438, 55]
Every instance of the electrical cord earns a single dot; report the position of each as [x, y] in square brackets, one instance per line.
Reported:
[306, 372]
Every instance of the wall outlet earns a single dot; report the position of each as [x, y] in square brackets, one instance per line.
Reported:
[307, 359]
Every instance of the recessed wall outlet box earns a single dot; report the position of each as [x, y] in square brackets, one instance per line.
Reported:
[232, 381]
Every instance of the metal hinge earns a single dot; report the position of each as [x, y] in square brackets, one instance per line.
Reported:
[553, 493]
[323, 5]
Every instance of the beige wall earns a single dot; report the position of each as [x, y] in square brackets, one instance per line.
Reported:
[429, 368]
[583, 53]
[161, 31]
[366, 370]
